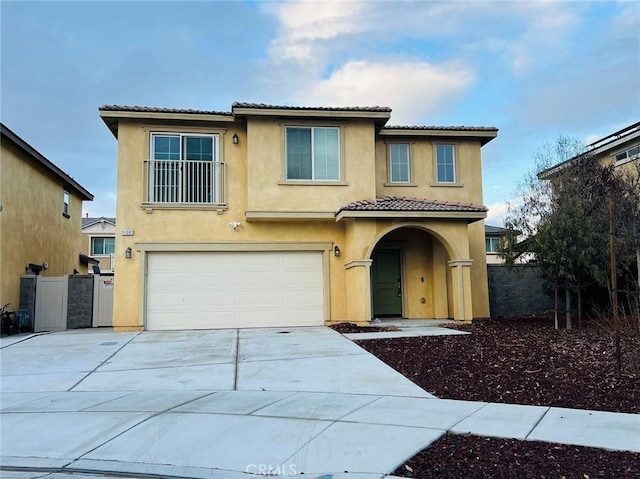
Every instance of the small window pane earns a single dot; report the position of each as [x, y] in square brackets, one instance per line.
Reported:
[109, 245]
[198, 148]
[97, 245]
[101, 246]
[492, 244]
[299, 154]
[166, 147]
[326, 154]
[445, 168]
[313, 153]
[65, 203]
[399, 158]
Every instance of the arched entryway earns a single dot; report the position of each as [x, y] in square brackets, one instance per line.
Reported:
[410, 274]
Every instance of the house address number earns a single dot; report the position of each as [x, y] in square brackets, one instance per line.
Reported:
[128, 232]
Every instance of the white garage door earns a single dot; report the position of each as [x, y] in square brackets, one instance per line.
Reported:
[194, 290]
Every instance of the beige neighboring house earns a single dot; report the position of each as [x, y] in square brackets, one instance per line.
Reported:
[40, 217]
[492, 235]
[100, 238]
[621, 148]
[278, 216]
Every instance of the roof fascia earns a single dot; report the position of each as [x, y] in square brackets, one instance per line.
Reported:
[451, 215]
[373, 115]
[485, 136]
[111, 117]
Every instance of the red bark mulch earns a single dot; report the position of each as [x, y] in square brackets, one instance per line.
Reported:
[524, 361]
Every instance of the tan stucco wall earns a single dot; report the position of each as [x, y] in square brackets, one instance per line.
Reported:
[468, 168]
[268, 189]
[254, 171]
[32, 226]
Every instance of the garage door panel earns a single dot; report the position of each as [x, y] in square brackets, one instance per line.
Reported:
[170, 300]
[216, 279]
[168, 279]
[262, 300]
[198, 290]
[223, 319]
[171, 263]
[270, 261]
[216, 301]
[256, 280]
[311, 299]
[299, 260]
[301, 279]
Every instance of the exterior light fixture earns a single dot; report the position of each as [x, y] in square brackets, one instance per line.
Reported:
[235, 139]
[127, 253]
[336, 251]
[235, 225]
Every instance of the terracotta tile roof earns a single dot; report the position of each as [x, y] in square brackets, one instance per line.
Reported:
[151, 109]
[264, 106]
[396, 203]
[441, 128]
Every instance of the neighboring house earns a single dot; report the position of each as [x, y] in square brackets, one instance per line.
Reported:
[294, 216]
[492, 235]
[100, 240]
[40, 211]
[621, 148]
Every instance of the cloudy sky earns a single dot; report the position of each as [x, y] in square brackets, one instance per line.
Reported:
[535, 70]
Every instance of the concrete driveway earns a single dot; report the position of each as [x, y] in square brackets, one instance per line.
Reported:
[234, 403]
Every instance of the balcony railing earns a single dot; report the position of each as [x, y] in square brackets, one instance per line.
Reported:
[184, 182]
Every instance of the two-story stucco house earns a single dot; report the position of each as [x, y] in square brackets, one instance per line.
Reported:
[100, 240]
[291, 216]
[40, 214]
[620, 149]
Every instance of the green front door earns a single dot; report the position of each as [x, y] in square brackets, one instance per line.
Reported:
[386, 283]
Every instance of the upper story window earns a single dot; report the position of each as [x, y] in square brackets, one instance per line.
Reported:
[100, 246]
[184, 168]
[313, 153]
[445, 164]
[399, 171]
[491, 244]
[65, 204]
[628, 154]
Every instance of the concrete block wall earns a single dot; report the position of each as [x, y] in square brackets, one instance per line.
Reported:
[518, 291]
[80, 302]
[27, 297]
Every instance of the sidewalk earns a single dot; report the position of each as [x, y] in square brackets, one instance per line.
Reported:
[231, 403]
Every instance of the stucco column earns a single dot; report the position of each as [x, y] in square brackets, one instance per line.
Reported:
[461, 285]
[358, 290]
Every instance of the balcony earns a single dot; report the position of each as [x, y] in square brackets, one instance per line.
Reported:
[184, 183]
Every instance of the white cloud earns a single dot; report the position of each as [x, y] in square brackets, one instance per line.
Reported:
[305, 24]
[497, 213]
[414, 89]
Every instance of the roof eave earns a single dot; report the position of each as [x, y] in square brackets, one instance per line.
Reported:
[484, 136]
[470, 216]
[112, 117]
[311, 113]
[39, 158]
